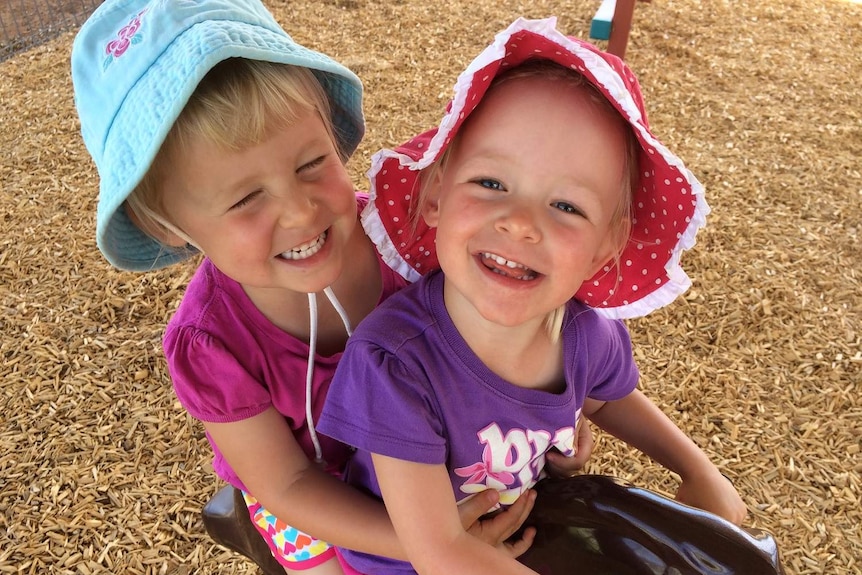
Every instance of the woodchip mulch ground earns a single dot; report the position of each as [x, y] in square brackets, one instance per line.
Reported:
[101, 471]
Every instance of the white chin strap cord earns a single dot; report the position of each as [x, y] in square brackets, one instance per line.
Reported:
[312, 347]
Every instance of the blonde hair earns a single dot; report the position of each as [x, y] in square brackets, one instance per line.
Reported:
[621, 219]
[238, 104]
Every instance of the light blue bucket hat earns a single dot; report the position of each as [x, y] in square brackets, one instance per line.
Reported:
[135, 63]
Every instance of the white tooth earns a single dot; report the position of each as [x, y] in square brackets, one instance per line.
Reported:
[306, 250]
[503, 261]
[308, 245]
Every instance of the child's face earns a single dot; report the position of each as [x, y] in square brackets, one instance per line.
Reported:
[280, 214]
[524, 206]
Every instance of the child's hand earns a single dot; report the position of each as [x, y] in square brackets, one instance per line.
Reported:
[496, 530]
[714, 493]
[558, 465]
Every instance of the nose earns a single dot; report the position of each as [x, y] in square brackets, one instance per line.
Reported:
[295, 209]
[520, 223]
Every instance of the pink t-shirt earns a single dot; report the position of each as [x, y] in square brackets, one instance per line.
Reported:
[228, 362]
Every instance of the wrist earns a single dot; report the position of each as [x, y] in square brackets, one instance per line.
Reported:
[702, 469]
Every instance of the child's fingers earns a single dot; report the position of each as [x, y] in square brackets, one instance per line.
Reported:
[585, 441]
[561, 466]
[497, 528]
[519, 547]
[510, 520]
[472, 508]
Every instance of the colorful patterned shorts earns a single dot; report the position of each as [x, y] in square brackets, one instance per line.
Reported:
[291, 547]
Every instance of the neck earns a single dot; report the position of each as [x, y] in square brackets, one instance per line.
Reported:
[522, 354]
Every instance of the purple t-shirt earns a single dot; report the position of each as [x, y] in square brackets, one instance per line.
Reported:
[228, 362]
[409, 387]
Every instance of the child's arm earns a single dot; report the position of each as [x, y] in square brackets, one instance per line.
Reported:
[265, 455]
[422, 506]
[640, 423]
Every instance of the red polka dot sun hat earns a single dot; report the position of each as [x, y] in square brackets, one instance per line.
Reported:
[668, 203]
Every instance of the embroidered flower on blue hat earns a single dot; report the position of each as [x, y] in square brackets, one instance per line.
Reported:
[127, 36]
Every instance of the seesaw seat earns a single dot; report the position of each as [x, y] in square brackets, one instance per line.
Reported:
[586, 525]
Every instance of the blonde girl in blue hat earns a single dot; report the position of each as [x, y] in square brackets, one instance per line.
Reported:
[214, 132]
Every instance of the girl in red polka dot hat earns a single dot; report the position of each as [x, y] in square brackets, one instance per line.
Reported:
[543, 181]
[667, 208]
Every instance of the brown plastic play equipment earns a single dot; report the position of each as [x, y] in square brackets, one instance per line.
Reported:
[227, 521]
[594, 524]
[586, 525]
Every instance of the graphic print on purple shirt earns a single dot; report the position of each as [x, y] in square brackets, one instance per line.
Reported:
[514, 462]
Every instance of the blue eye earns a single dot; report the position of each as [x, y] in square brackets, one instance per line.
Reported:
[489, 183]
[567, 208]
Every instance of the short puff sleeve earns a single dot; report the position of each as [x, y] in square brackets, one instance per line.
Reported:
[381, 404]
[210, 382]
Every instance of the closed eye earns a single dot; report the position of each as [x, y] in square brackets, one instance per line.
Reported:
[312, 164]
[246, 200]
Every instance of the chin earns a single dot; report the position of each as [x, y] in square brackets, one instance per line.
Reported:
[504, 319]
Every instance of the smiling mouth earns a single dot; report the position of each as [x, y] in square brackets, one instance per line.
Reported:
[502, 266]
[307, 249]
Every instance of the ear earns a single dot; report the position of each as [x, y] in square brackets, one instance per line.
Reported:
[430, 198]
[603, 256]
[158, 232]
[613, 245]
[171, 239]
